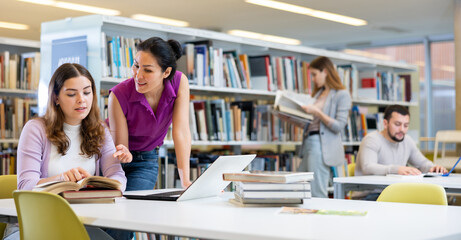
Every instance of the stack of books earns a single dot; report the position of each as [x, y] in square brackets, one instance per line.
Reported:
[94, 189]
[270, 187]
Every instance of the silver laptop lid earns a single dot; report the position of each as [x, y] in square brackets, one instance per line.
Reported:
[211, 182]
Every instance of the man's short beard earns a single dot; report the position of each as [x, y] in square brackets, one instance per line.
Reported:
[394, 138]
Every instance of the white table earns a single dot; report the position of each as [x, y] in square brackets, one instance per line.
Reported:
[216, 218]
[342, 185]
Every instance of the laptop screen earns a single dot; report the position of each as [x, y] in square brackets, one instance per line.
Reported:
[210, 183]
[453, 168]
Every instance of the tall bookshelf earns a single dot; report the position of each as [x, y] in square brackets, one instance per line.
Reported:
[95, 27]
[19, 74]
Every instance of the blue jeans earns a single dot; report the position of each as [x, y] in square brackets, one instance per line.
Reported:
[313, 162]
[141, 174]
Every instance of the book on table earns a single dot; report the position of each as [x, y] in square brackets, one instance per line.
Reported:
[269, 176]
[291, 103]
[262, 186]
[251, 202]
[85, 190]
[275, 194]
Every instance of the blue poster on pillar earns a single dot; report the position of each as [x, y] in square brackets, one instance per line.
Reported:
[68, 50]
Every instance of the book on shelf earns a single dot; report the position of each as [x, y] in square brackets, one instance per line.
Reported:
[291, 103]
[406, 90]
[87, 188]
[349, 76]
[260, 72]
[269, 176]
[221, 120]
[7, 163]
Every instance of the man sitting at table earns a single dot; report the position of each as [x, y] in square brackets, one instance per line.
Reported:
[389, 151]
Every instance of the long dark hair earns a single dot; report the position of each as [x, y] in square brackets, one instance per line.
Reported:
[165, 52]
[91, 129]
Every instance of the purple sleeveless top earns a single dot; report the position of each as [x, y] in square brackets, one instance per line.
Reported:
[147, 129]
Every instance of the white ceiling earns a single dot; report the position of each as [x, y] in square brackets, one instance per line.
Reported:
[388, 20]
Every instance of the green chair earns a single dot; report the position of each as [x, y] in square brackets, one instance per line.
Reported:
[421, 193]
[47, 216]
[8, 183]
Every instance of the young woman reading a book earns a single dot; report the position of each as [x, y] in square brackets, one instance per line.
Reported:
[142, 108]
[322, 146]
[69, 142]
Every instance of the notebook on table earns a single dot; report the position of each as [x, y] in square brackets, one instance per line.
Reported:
[209, 184]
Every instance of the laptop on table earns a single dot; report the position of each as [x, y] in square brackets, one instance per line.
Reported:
[442, 174]
[209, 184]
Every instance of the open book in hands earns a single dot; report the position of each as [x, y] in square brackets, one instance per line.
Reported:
[88, 188]
[291, 103]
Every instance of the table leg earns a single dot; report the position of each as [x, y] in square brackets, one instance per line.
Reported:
[338, 191]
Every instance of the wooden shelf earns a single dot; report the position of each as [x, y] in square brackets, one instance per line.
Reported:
[169, 143]
[204, 90]
[374, 102]
[128, 24]
[9, 140]
[18, 91]
[19, 42]
[351, 143]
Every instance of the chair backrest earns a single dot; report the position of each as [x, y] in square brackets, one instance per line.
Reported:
[48, 216]
[443, 137]
[422, 193]
[8, 183]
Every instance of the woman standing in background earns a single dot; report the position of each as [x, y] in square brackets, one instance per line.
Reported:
[322, 145]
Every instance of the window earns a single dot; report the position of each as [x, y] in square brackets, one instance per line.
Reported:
[443, 75]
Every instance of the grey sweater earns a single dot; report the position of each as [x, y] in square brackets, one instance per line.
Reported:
[379, 156]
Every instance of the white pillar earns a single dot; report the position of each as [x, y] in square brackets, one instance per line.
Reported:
[457, 41]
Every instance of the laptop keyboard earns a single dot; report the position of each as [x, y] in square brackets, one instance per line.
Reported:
[168, 194]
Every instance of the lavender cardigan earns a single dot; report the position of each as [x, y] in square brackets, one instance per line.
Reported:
[34, 155]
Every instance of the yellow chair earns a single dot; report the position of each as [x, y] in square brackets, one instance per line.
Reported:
[47, 216]
[351, 169]
[8, 183]
[421, 193]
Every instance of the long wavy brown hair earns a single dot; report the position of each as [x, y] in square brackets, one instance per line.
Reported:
[91, 128]
[332, 80]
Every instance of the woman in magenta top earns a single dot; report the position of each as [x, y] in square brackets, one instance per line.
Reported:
[142, 108]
